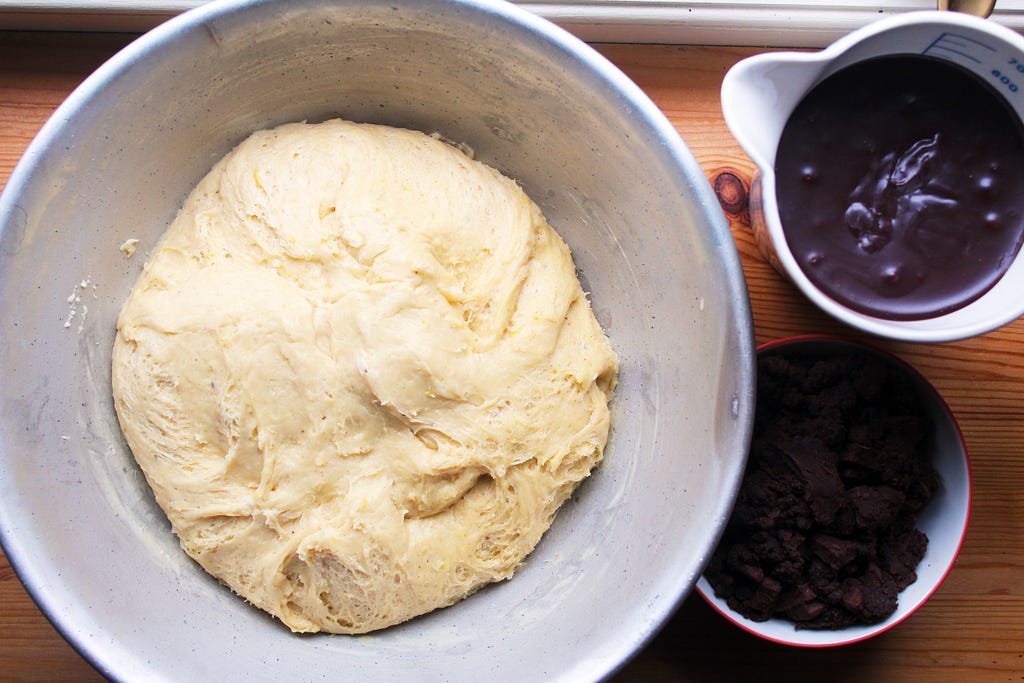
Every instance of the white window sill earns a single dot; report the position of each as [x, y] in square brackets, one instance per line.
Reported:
[781, 23]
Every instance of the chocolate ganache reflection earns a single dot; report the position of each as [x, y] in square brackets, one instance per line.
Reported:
[900, 183]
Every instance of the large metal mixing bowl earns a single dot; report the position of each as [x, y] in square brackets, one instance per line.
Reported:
[76, 517]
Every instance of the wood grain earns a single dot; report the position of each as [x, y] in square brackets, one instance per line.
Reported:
[972, 629]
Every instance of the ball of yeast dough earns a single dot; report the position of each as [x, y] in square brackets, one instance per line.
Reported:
[360, 375]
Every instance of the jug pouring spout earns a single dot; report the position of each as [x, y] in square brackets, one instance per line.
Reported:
[759, 94]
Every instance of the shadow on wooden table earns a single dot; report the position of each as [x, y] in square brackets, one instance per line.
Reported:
[698, 645]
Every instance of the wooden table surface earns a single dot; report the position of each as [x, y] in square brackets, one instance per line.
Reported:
[971, 630]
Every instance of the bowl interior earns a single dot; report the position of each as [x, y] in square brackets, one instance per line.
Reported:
[653, 249]
[944, 520]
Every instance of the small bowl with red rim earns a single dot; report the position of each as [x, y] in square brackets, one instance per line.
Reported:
[822, 535]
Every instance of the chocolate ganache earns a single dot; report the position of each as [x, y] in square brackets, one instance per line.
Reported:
[900, 183]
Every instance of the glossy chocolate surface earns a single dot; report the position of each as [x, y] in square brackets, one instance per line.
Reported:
[900, 183]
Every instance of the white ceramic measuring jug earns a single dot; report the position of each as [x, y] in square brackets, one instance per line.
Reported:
[760, 93]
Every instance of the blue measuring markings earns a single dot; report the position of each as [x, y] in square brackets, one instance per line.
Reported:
[1007, 75]
[959, 44]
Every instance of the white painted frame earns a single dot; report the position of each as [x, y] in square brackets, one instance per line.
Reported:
[764, 23]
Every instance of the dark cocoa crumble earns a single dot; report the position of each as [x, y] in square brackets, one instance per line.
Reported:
[824, 529]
